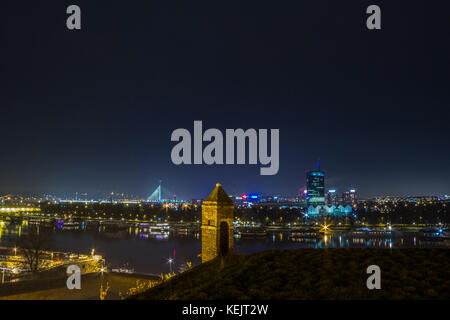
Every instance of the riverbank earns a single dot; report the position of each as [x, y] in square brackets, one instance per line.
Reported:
[56, 288]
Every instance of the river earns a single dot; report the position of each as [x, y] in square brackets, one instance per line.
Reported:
[150, 253]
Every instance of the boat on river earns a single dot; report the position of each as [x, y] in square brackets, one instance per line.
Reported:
[305, 234]
[374, 233]
[434, 234]
[251, 232]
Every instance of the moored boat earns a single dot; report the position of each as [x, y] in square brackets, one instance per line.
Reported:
[434, 234]
[374, 233]
[305, 233]
[252, 232]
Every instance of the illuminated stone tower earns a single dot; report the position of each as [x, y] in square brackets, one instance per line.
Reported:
[217, 224]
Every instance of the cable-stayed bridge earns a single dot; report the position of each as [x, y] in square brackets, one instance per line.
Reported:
[162, 194]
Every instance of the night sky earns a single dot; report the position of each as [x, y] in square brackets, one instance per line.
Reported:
[93, 110]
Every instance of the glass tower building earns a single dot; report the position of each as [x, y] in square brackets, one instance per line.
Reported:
[315, 186]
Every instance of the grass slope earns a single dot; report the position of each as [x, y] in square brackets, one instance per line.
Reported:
[313, 274]
[56, 288]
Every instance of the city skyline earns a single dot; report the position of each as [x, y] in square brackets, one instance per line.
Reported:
[225, 157]
[93, 109]
[143, 195]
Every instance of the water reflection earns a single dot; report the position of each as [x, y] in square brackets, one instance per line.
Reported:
[147, 248]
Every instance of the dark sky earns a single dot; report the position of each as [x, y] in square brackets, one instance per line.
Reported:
[93, 110]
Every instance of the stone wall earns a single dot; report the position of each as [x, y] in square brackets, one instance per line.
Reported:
[213, 214]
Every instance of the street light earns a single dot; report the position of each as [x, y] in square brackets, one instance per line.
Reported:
[170, 264]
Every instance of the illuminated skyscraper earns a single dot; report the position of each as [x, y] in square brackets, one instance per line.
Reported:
[353, 196]
[315, 187]
[332, 197]
[350, 197]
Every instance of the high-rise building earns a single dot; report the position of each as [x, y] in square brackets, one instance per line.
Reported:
[350, 197]
[332, 197]
[353, 196]
[346, 197]
[315, 187]
[301, 194]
